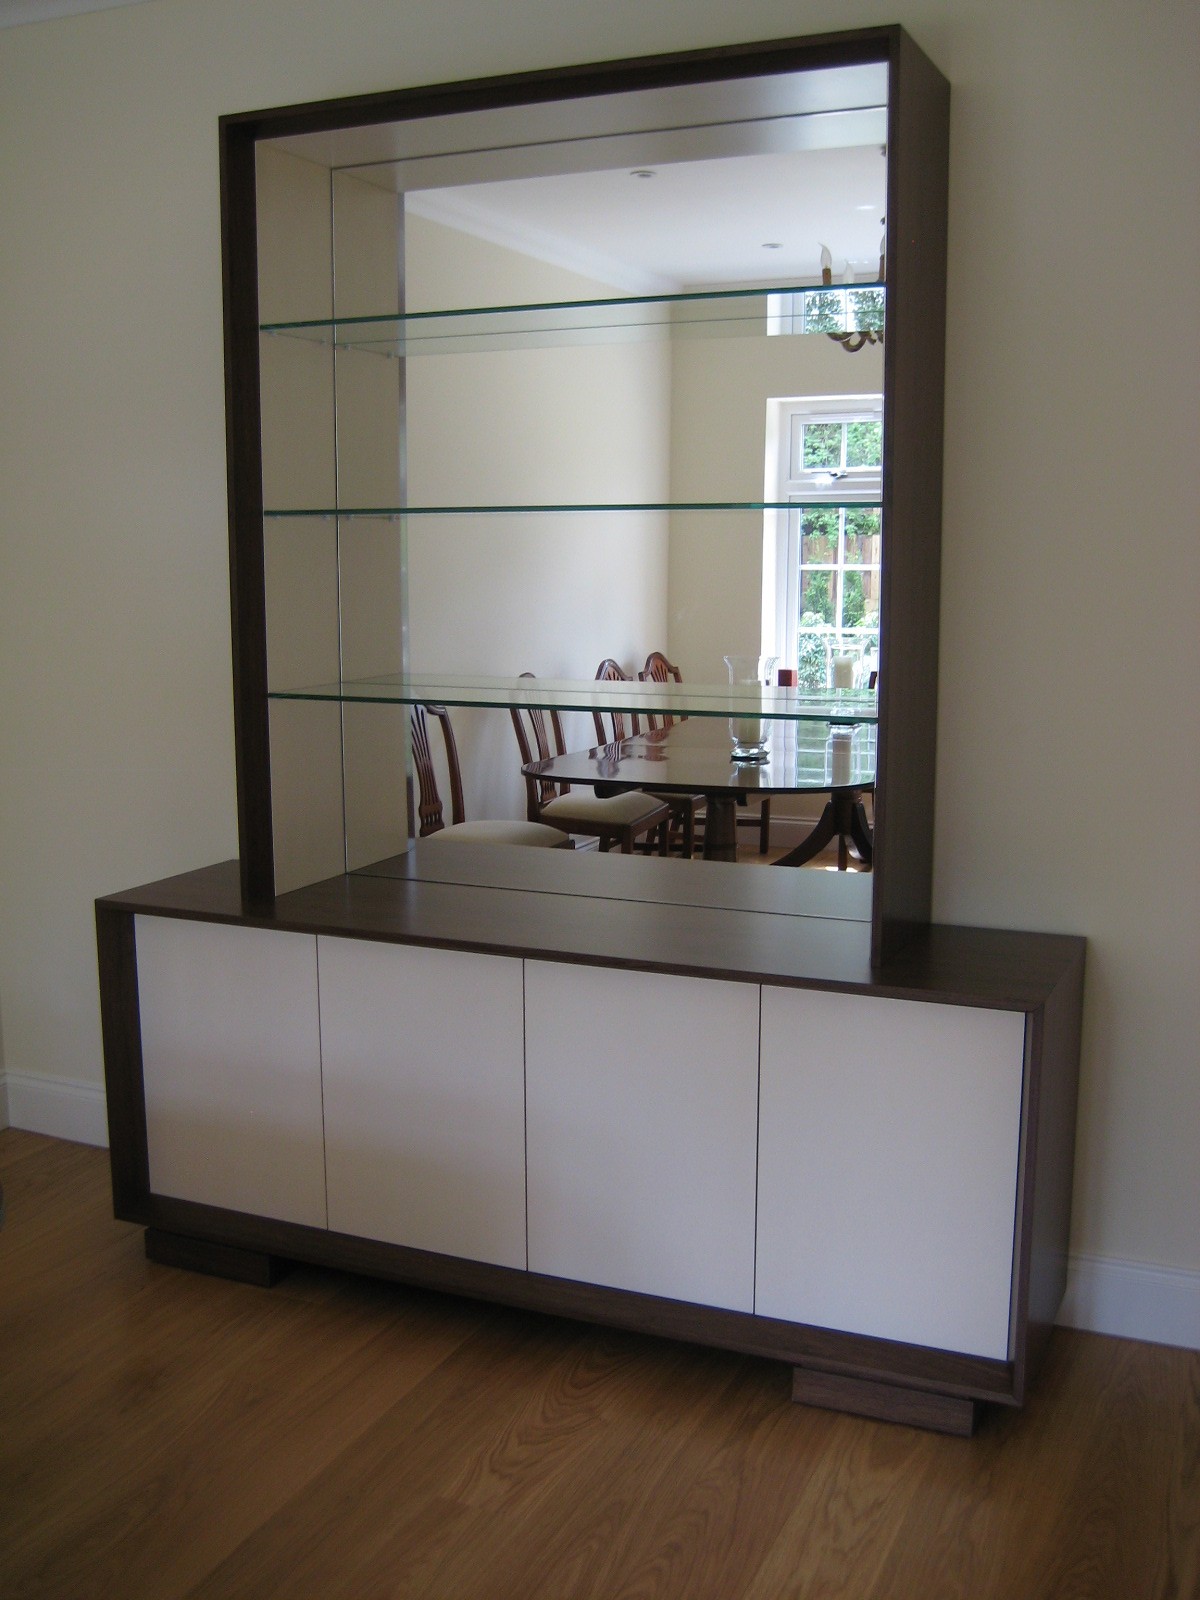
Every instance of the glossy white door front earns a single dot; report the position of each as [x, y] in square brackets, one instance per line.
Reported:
[231, 1066]
[888, 1152]
[642, 1092]
[424, 1098]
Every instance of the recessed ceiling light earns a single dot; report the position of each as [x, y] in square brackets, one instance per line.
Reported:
[772, 244]
[870, 206]
[643, 172]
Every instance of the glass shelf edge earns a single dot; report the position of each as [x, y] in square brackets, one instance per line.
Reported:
[416, 319]
[848, 503]
[832, 706]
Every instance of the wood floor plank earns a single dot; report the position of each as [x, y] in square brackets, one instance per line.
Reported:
[165, 1435]
[1005, 1513]
[838, 1539]
[355, 1527]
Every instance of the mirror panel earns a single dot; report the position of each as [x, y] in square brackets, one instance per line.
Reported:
[520, 206]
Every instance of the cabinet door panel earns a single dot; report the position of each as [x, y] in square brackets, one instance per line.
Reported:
[888, 1149]
[641, 1127]
[231, 1066]
[424, 1098]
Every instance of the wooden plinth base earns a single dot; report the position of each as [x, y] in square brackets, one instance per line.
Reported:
[940, 1413]
[218, 1260]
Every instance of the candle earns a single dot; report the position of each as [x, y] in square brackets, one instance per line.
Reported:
[843, 672]
[840, 745]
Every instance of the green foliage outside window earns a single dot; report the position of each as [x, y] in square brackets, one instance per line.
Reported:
[817, 597]
[811, 653]
[819, 535]
[854, 602]
[864, 444]
[823, 445]
[823, 313]
[866, 308]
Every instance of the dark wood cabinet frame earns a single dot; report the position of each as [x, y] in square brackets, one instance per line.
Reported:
[1038, 975]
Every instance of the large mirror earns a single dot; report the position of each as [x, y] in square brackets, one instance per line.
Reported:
[679, 445]
[658, 380]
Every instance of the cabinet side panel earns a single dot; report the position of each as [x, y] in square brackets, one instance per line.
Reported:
[642, 1098]
[117, 962]
[914, 363]
[231, 1065]
[1051, 1158]
[425, 1098]
[888, 1167]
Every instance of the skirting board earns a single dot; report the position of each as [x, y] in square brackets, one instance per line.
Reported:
[1132, 1301]
[63, 1108]
[1126, 1298]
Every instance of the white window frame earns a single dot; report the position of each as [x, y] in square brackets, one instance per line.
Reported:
[788, 484]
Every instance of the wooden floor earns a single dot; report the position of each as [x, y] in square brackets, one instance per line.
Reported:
[163, 1434]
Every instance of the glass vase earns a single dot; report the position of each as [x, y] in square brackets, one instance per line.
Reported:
[751, 733]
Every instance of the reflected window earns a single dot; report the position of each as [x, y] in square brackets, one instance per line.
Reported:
[828, 543]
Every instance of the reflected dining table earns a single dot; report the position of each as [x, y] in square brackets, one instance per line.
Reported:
[695, 757]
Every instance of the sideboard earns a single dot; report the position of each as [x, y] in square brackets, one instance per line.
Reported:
[620, 1104]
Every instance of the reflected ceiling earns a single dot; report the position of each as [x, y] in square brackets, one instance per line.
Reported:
[749, 177]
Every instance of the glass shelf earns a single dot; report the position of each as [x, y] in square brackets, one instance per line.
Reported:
[736, 313]
[831, 706]
[845, 503]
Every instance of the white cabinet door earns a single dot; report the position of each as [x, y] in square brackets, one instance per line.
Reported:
[642, 1092]
[888, 1147]
[424, 1098]
[231, 1065]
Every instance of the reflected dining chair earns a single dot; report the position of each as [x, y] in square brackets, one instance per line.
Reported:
[618, 819]
[757, 815]
[430, 816]
[659, 670]
[681, 829]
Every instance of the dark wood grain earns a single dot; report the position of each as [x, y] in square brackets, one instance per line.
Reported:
[122, 1037]
[886, 1402]
[1044, 1213]
[999, 968]
[851, 47]
[247, 574]
[914, 363]
[220, 1260]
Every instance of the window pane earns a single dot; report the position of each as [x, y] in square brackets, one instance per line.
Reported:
[864, 444]
[811, 654]
[866, 308]
[818, 535]
[816, 598]
[852, 600]
[862, 537]
[860, 598]
[823, 313]
[823, 444]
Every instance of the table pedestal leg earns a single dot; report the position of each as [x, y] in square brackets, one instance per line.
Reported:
[844, 819]
[720, 828]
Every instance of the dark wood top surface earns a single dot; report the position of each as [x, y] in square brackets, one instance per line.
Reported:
[968, 966]
[653, 879]
[695, 757]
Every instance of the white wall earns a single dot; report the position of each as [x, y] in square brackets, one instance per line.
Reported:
[1069, 746]
[720, 389]
[545, 593]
